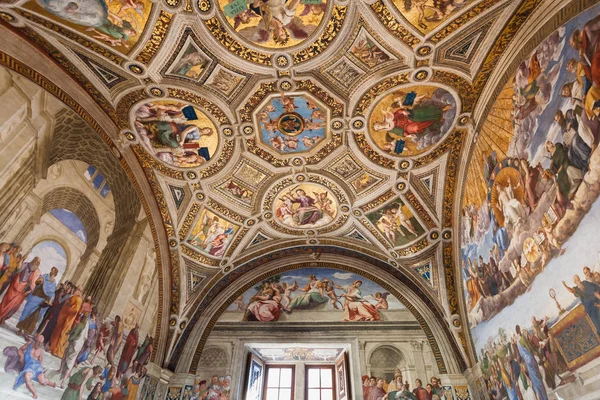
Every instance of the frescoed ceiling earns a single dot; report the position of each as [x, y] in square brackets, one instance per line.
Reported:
[336, 131]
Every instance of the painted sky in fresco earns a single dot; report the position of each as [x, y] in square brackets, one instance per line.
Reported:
[51, 255]
[71, 221]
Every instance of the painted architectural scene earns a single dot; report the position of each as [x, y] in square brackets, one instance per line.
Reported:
[118, 24]
[71, 324]
[292, 124]
[274, 24]
[314, 294]
[410, 121]
[397, 223]
[305, 206]
[177, 134]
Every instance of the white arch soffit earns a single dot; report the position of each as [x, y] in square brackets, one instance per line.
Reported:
[185, 362]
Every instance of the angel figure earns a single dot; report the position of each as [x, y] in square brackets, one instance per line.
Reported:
[277, 143]
[313, 125]
[239, 304]
[287, 294]
[288, 103]
[382, 303]
[325, 203]
[278, 20]
[291, 143]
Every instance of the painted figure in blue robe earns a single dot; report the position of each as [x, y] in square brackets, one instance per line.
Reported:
[37, 302]
[527, 352]
[589, 294]
[32, 354]
[500, 237]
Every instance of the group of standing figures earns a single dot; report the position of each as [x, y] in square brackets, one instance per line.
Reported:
[57, 318]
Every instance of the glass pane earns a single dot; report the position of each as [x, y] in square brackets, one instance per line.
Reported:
[326, 378]
[326, 394]
[313, 378]
[314, 394]
[285, 394]
[272, 394]
[286, 378]
[89, 172]
[98, 179]
[273, 379]
[104, 191]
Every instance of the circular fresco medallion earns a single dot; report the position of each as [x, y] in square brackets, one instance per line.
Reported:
[409, 121]
[291, 124]
[274, 24]
[305, 206]
[176, 133]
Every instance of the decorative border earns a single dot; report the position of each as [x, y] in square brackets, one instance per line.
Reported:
[159, 32]
[462, 20]
[394, 26]
[334, 26]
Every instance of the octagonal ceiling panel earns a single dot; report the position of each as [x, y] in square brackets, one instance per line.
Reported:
[292, 123]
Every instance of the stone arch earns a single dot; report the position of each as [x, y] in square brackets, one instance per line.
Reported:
[214, 357]
[432, 320]
[384, 359]
[73, 139]
[56, 239]
[79, 204]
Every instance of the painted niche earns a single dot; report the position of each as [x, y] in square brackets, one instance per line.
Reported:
[275, 24]
[410, 121]
[314, 294]
[177, 134]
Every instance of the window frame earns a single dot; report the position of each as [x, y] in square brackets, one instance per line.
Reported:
[320, 366]
[278, 366]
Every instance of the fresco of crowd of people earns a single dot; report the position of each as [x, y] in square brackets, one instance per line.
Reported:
[531, 190]
[378, 389]
[57, 318]
[519, 367]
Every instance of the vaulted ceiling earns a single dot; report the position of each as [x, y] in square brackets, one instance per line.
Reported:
[281, 105]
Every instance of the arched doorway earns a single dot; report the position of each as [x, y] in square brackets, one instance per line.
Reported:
[384, 360]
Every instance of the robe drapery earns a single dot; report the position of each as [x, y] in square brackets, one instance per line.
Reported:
[15, 296]
[128, 350]
[34, 307]
[526, 351]
[67, 316]
[11, 267]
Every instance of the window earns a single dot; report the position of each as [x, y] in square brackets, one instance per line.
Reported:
[319, 382]
[280, 383]
[97, 179]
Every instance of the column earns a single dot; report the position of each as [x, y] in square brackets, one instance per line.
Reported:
[417, 348]
[107, 277]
